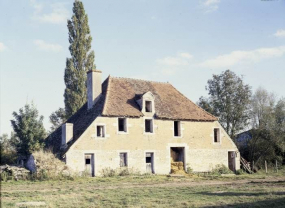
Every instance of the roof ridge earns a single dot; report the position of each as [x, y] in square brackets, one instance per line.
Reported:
[194, 103]
[106, 96]
[142, 80]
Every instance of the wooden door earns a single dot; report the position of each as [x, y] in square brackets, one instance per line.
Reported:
[89, 164]
[149, 162]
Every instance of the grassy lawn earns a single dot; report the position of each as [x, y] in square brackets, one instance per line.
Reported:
[257, 190]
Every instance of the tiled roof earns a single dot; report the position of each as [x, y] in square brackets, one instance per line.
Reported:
[118, 99]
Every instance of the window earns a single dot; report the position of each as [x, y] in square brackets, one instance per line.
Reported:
[100, 131]
[216, 135]
[87, 161]
[148, 106]
[148, 126]
[177, 128]
[123, 160]
[122, 124]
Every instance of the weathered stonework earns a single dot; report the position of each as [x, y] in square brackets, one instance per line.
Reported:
[201, 152]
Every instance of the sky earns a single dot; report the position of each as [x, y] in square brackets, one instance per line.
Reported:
[183, 42]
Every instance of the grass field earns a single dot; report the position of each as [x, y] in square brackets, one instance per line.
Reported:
[150, 191]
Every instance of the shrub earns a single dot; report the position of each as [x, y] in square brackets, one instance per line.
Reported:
[108, 172]
[221, 169]
[240, 172]
[189, 170]
[49, 167]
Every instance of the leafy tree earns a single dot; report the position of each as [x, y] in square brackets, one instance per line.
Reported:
[268, 129]
[81, 61]
[7, 150]
[57, 118]
[29, 130]
[229, 100]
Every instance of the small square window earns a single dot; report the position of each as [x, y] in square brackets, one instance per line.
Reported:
[216, 135]
[87, 161]
[123, 160]
[122, 125]
[149, 125]
[148, 106]
[100, 131]
[177, 128]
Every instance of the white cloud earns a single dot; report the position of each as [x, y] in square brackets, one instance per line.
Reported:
[243, 57]
[182, 59]
[2, 47]
[42, 45]
[58, 15]
[280, 34]
[171, 64]
[210, 5]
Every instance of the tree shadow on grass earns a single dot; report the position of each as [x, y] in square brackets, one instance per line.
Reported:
[221, 193]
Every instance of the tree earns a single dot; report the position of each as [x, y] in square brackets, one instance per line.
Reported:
[29, 130]
[7, 150]
[268, 128]
[57, 118]
[229, 100]
[81, 61]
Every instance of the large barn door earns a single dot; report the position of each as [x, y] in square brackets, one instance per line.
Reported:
[89, 164]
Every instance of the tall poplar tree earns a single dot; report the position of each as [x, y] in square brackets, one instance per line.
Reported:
[81, 61]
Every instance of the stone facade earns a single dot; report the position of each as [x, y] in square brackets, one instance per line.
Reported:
[201, 153]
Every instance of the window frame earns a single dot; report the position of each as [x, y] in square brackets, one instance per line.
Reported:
[125, 159]
[179, 129]
[217, 136]
[104, 130]
[151, 126]
[148, 106]
[125, 126]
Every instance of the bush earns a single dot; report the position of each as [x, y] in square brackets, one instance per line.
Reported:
[240, 172]
[108, 172]
[189, 170]
[221, 169]
[49, 167]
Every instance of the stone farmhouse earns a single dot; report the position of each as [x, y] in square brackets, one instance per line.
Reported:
[144, 125]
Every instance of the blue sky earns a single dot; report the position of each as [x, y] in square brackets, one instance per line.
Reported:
[183, 42]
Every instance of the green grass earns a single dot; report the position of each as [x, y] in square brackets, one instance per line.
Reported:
[258, 190]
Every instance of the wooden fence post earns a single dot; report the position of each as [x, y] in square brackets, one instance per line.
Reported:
[265, 166]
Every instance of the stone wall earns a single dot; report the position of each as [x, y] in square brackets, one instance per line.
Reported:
[201, 153]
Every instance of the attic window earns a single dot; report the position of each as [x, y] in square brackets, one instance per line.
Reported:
[177, 128]
[148, 106]
[216, 135]
[148, 125]
[122, 124]
[100, 131]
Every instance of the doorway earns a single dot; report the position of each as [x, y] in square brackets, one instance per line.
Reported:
[177, 162]
[149, 162]
[232, 160]
[89, 164]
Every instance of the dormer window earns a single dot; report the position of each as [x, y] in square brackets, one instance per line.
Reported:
[148, 106]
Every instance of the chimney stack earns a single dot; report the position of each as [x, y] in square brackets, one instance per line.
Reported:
[66, 133]
[94, 87]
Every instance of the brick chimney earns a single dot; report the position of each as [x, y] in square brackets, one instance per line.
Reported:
[66, 133]
[94, 87]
